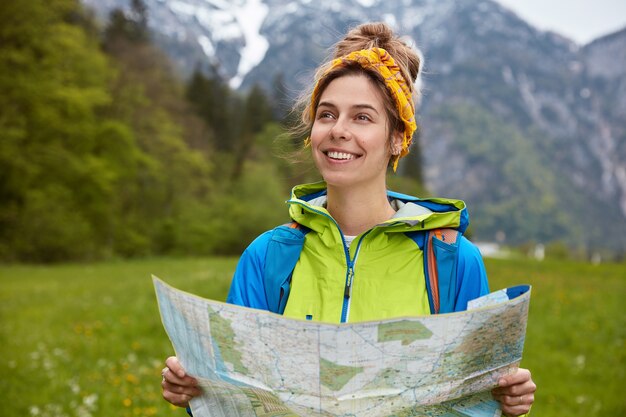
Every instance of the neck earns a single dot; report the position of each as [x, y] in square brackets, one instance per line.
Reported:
[357, 210]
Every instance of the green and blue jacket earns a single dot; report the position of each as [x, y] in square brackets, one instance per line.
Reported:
[380, 275]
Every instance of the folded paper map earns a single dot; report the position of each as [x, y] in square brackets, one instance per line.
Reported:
[255, 363]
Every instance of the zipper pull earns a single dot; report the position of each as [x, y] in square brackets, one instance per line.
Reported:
[348, 290]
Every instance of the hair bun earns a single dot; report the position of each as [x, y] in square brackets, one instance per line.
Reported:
[379, 33]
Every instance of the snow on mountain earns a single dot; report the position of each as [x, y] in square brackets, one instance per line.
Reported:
[250, 17]
[227, 33]
[223, 21]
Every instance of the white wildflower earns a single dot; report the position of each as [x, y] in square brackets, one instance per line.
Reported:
[580, 361]
[90, 401]
[82, 411]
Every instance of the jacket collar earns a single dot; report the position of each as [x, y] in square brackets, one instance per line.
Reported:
[307, 207]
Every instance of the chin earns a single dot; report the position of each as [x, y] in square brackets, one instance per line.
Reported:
[339, 179]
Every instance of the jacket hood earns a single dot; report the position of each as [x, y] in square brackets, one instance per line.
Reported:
[307, 206]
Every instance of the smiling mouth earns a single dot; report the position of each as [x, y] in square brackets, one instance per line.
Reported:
[341, 156]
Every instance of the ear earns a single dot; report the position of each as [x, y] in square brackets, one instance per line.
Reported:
[396, 142]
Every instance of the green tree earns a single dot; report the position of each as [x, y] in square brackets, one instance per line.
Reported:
[257, 112]
[103, 152]
[215, 103]
[99, 152]
[171, 169]
[133, 28]
[53, 80]
[281, 103]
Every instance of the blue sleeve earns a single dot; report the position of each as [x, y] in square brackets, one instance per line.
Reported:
[247, 288]
[471, 275]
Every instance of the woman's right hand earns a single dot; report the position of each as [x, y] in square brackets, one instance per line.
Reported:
[178, 387]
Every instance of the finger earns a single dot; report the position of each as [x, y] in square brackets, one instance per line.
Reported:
[515, 405]
[515, 411]
[525, 388]
[170, 377]
[515, 400]
[519, 377]
[179, 400]
[174, 365]
[190, 390]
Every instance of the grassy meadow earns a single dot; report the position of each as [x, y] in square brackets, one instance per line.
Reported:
[86, 339]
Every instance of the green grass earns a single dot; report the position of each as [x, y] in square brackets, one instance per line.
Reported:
[576, 336]
[86, 340]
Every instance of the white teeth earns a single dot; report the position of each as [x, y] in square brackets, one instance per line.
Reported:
[340, 155]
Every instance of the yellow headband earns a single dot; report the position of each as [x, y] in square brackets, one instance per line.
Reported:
[380, 60]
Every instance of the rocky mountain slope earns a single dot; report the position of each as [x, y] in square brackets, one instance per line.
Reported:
[525, 125]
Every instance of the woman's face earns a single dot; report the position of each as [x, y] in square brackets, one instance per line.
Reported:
[349, 137]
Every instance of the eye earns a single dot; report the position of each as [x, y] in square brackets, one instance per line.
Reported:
[325, 114]
[363, 117]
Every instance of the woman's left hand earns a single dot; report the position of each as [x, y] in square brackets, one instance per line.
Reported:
[515, 392]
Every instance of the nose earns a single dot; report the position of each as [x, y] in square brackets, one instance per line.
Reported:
[340, 129]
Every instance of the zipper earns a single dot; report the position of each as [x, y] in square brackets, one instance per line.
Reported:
[345, 310]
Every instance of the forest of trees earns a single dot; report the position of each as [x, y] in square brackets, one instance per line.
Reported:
[106, 152]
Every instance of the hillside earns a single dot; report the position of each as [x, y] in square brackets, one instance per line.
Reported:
[525, 125]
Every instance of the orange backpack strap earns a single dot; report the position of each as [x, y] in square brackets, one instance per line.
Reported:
[449, 237]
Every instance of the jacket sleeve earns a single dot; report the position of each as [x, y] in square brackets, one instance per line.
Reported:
[471, 274]
[247, 288]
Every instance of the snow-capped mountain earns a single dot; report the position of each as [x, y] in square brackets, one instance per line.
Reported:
[551, 161]
[240, 36]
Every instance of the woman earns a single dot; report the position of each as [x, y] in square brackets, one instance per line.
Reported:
[357, 262]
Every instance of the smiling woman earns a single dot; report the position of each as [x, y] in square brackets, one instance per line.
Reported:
[354, 250]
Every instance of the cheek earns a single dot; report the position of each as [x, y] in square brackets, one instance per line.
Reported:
[318, 129]
[319, 132]
[376, 144]
[317, 137]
